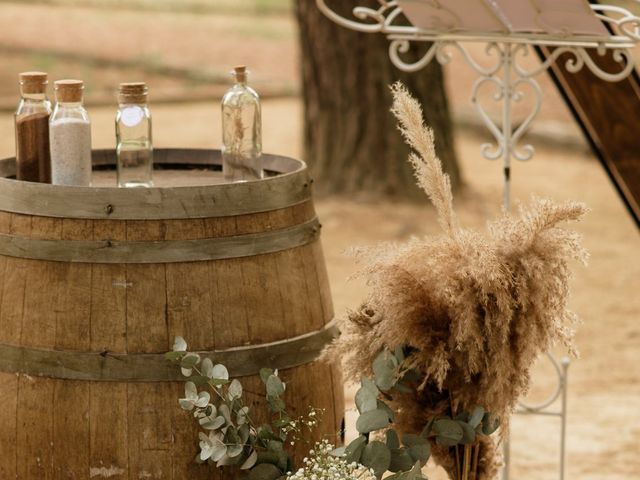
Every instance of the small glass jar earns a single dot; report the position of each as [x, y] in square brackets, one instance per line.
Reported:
[31, 120]
[134, 146]
[70, 135]
[241, 131]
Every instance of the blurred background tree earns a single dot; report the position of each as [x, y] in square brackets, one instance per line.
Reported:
[350, 137]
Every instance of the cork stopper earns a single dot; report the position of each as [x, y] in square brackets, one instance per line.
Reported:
[133, 92]
[241, 73]
[69, 91]
[33, 82]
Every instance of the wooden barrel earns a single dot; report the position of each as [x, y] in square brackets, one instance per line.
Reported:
[95, 283]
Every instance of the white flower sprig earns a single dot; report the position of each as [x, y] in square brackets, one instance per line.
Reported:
[322, 465]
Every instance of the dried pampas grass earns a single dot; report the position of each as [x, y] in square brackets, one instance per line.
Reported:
[477, 309]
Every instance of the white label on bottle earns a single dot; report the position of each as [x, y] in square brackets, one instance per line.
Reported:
[131, 116]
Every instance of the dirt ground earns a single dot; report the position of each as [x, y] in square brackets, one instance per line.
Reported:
[603, 437]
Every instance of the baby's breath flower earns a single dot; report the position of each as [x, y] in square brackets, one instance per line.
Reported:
[321, 465]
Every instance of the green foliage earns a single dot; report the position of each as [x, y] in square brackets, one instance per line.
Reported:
[404, 458]
[230, 438]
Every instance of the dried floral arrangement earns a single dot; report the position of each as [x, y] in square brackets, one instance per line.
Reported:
[230, 439]
[473, 311]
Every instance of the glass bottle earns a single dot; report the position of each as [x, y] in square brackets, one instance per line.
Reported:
[31, 120]
[70, 135]
[133, 135]
[241, 131]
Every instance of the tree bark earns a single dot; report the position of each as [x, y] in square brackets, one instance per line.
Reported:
[350, 137]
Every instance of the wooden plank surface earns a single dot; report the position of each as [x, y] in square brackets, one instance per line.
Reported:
[609, 116]
[108, 453]
[35, 436]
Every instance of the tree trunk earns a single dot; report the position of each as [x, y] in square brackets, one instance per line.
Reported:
[351, 140]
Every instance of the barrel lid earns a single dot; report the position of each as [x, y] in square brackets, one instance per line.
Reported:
[287, 184]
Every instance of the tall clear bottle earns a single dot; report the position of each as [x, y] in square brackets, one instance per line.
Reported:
[70, 136]
[241, 131]
[33, 158]
[133, 135]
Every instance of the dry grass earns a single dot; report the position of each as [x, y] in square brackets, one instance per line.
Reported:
[475, 309]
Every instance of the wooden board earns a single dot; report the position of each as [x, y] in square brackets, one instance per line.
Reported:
[609, 116]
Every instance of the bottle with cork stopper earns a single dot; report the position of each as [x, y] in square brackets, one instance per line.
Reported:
[70, 134]
[134, 145]
[33, 160]
[241, 131]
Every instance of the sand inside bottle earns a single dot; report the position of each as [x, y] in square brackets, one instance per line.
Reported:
[32, 141]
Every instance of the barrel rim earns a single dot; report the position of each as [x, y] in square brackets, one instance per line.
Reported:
[291, 186]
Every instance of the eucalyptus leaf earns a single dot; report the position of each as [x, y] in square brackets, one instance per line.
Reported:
[217, 382]
[383, 406]
[410, 439]
[265, 373]
[384, 370]
[392, 439]
[244, 433]
[267, 457]
[218, 453]
[370, 385]
[265, 432]
[366, 400]
[462, 416]
[339, 452]
[227, 460]
[283, 460]
[275, 403]
[211, 423]
[219, 372]
[179, 344]
[199, 380]
[234, 450]
[426, 431]
[468, 433]
[401, 461]
[399, 354]
[250, 461]
[235, 389]
[207, 368]
[190, 390]
[226, 413]
[489, 424]
[420, 453]
[281, 422]
[190, 360]
[377, 456]
[174, 356]
[370, 421]
[353, 451]
[242, 415]
[275, 446]
[415, 473]
[476, 417]
[448, 432]
[275, 387]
